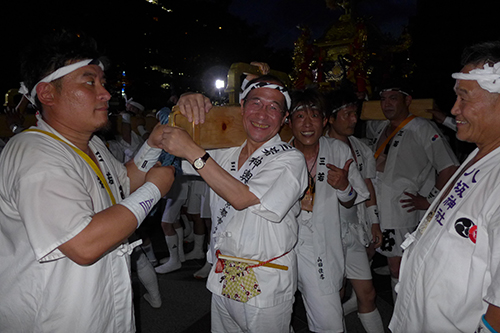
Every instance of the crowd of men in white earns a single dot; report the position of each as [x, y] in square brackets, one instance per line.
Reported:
[284, 215]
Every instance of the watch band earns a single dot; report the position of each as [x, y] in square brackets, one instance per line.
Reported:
[200, 162]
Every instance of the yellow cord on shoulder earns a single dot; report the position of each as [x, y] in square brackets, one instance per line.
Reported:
[84, 156]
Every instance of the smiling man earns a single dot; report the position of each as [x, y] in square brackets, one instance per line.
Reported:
[255, 191]
[63, 224]
[334, 180]
[451, 271]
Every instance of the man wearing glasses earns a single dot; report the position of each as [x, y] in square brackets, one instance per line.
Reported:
[255, 191]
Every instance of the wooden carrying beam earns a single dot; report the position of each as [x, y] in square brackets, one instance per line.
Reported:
[373, 111]
[223, 127]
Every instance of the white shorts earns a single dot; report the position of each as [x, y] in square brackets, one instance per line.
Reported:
[176, 198]
[392, 240]
[197, 203]
[324, 312]
[229, 316]
[357, 265]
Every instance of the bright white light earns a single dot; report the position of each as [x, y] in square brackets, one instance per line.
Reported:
[219, 84]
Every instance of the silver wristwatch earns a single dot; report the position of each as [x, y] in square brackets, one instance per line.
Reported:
[200, 162]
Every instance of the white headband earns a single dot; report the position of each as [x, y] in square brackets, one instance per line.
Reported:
[305, 106]
[394, 89]
[488, 77]
[342, 107]
[137, 105]
[60, 72]
[264, 84]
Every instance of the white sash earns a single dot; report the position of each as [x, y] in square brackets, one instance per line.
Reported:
[250, 168]
[438, 210]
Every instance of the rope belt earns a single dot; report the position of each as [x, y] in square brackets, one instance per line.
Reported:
[240, 282]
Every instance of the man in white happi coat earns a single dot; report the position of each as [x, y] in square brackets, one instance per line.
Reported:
[333, 181]
[360, 223]
[255, 191]
[64, 249]
[450, 274]
[413, 162]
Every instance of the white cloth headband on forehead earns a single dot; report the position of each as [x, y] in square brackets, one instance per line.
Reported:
[305, 106]
[342, 107]
[60, 72]
[487, 77]
[137, 105]
[394, 89]
[263, 84]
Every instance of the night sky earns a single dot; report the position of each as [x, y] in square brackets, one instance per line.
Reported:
[280, 18]
[440, 29]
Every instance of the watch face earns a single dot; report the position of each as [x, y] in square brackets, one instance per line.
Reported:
[198, 163]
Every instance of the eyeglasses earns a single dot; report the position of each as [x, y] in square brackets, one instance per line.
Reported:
[256, 104]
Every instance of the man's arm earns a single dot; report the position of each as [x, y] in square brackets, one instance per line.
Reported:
[107, 230]
[441, 118]
[338, 179]
[492, 317]
[263, 68]
[178, 142]
[111, 226]
[444, 175]
[136, 176]
[372, 201]
[421, 203]
[194, 106]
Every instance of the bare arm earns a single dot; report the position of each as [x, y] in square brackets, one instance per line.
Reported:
[263, 68]
[178, 142]
[111, 226]
[418, 202]
[338, 179]
[444, 175]
[372, 201]
[492, 316]
[137, 177]
[107, 230]
[373, 198]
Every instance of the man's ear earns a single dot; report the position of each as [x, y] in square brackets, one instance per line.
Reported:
[408, 100]
[285, 119]
[45, 92]
[331, 120]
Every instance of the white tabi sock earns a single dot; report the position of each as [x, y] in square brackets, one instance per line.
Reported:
[203, 272]
[372, 322]
[197, 252]
[174, 262]
[147, 276]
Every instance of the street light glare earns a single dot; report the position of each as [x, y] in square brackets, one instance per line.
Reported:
[219, 84]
